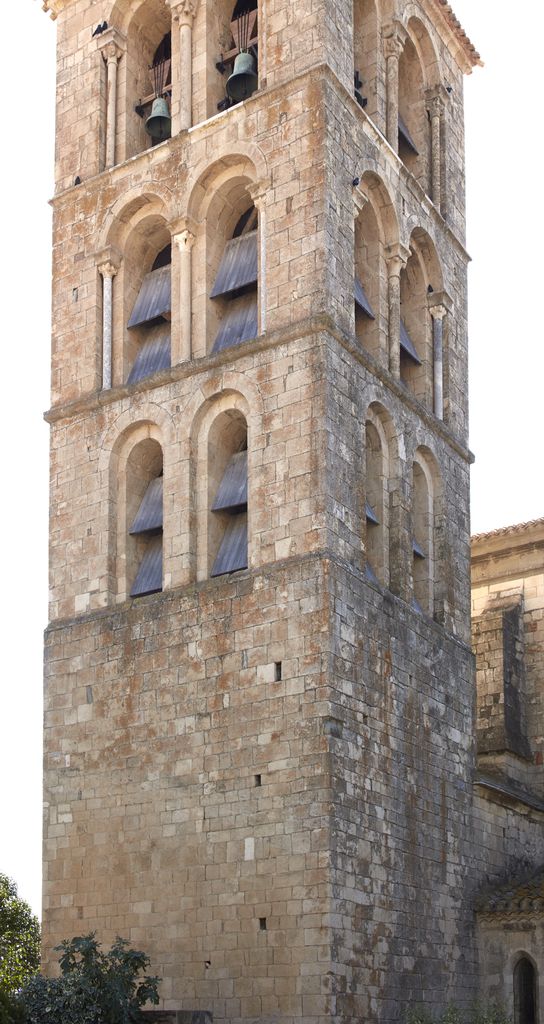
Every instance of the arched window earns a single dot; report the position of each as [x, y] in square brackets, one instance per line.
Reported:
[149, 328]
[376, 502]
[414, 132]
[144, 518]
[227, 494]
[525, 992]
[427, 531]
[367, 279]
[414, 330]
[236, 31]
[147, 77]
[154, 109]
[234, 291]
[365, 50]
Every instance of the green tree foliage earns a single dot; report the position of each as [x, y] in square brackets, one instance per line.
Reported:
[93, 987]
[19, 939]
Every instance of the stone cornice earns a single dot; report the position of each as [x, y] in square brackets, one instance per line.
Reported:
[162, 151]
[460, 43]
[318, 324]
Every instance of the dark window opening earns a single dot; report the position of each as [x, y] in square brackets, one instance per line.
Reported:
[258, 781]
[236, 284]
[231, 502]
[262, 924]
[277, 671]
[154, 108]
[147, 527]
[524, 992]
[150, 320]
[241, 60]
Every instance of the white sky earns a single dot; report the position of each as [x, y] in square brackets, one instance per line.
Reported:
[505, 222]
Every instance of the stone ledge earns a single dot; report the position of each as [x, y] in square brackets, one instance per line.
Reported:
[178, 1016]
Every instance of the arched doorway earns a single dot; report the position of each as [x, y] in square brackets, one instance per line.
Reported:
[524, 992]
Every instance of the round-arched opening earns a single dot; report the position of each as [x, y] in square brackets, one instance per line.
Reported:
[146, 279]
[233, 27]
[227, 465]
[413, 135]
[231, 260]
[525, 992]
[368, 257]
[376, 506]
[148, 75]
[144, 518]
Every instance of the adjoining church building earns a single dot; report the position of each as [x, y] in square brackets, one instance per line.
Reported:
[260, 759]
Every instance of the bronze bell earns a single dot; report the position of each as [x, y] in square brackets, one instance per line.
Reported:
[243, 81]
[159, 122]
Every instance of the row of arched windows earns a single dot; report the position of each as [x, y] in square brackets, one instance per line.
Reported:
[224, 290]
[150, 58]
[222, 508]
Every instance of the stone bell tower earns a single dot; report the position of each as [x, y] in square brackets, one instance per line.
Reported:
[258, 677]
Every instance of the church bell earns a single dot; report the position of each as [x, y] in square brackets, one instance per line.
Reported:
[159, 123]
[243, 81]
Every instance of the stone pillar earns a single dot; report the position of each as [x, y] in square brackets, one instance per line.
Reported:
[435, 106]
[440, 305]
[438, 313]
[258, 192]
[112, 45]
[396, 258]
[183, 13]
[181, 341]
[107, 270]
[393, 42]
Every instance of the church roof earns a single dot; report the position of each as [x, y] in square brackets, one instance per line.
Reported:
[514, 897]
[504, 531]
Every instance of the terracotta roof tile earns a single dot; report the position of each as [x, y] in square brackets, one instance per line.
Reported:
[447, 13]
[503, 531]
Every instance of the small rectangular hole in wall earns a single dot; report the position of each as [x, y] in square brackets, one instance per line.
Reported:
[262, 924]
[277, 671]
[75, 294]
[258, 780]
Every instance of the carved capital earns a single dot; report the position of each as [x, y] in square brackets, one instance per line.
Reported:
[107, 269]
[183, 10]
[394, 38]
[397, 256]
[184, 240]
[108, 261]
[436, 99]
[440, 304]
[181, 226]
[112, 43]
[258, 191]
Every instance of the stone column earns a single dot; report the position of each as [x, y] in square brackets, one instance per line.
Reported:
[396, 258]
[183, 12]
[438, 313]
[107, 270]
[112, 45]
[435, 107]
[258, 192]
[440, 304]
[393, 42]
[181, 343]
